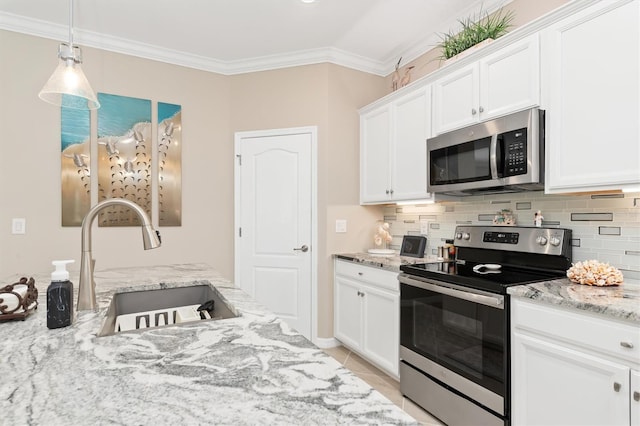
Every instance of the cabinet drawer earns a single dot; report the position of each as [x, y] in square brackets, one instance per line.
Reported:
[582, 329]
[379, 277]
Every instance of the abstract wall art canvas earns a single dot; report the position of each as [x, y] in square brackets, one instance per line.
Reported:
[124, 156]
[75, 135]
[169, 164]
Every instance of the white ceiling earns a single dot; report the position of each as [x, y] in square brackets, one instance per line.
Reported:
[237, 36]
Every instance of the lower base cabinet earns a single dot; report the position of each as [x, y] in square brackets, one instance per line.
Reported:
[367, 313]
[561, 378]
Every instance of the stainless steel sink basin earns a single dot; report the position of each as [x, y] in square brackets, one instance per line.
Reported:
[162, 302]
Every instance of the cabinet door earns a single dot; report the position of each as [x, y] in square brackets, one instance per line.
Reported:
[348, 312]
[375, 136]
[635, 398]
[409, 147]
[555, 385]
[510, 79]
[591, 82]
[455, 99]
[382, 328]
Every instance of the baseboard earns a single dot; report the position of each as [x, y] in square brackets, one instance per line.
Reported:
[326, 342]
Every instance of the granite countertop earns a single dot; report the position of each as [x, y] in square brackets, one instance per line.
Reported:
[252, 369]
[619, 302]
[391, 263]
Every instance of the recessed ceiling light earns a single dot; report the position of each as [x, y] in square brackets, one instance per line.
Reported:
[308, 1]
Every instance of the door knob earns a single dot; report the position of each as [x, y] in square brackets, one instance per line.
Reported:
[303, 249]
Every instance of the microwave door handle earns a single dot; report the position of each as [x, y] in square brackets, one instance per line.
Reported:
[493, 156]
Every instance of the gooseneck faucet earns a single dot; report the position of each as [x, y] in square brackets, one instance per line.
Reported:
[87, 285]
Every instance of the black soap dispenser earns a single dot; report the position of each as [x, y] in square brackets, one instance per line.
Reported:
[60, 296]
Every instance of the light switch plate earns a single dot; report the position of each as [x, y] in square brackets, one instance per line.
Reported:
[19, 226]
[341, 225]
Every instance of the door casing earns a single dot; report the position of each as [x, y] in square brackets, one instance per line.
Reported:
[313, 131]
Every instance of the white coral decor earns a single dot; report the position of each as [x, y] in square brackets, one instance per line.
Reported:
[592, 272]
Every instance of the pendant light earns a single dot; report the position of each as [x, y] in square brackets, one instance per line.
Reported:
[68, 87]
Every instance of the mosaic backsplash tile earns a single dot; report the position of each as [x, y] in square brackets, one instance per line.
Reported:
[605, 227]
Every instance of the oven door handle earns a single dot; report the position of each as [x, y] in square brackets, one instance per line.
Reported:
[492, 301]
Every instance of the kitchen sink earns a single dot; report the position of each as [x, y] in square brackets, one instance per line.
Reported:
[165, 307]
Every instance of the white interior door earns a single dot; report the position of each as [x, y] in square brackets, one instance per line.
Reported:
[274, 214]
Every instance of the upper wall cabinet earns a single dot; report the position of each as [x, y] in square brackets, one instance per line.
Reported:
[393, 149]
[591, 91]
[503, 82]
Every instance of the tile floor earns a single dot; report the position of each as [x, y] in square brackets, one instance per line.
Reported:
[381, 382]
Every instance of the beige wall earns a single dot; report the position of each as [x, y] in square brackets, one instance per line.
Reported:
[214, 107]
[326, 96]
[30, 155]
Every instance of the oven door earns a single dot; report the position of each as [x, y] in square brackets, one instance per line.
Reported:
[463, 330]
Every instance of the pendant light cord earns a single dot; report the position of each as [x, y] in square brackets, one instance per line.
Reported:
[71, 27]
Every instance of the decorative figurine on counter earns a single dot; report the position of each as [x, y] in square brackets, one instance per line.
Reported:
[537, 219]
[382, 236]
[504, 217]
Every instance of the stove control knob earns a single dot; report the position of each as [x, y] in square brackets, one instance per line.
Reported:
[541, 240]
[459, 236]
[554, 241]
[465, 236]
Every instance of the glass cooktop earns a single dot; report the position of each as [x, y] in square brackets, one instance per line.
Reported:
[472, 275]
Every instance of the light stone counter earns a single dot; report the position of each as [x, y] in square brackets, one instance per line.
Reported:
[620, 302]
[390, 263]
[248, 370]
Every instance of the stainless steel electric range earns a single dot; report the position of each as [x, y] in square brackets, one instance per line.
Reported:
[454, 319]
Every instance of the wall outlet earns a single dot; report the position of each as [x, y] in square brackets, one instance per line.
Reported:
[19, 226]
[424, 228]
[341, 225]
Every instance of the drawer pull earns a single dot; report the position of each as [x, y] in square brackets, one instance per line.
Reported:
[627, 345]
[362, 273]
[617, 386]
[636, 396]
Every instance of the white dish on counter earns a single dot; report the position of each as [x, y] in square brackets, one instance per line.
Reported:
[381, 252]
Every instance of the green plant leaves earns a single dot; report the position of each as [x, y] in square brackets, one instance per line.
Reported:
[474, 31]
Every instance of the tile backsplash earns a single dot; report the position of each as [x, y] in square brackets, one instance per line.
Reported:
[605, 227]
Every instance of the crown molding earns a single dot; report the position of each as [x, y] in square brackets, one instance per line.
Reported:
[39, 28]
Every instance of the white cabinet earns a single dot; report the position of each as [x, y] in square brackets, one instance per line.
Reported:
[503, 82]
[367, 313]
[635, 398]
[591, 91]
[393, 149]
[571, 368]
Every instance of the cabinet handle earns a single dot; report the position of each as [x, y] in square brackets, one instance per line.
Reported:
[391, 192]
[387, 191]
[636, 396]
[627, 345]
[360, 273]
[617, 386]
[481, 109]
[473, 111]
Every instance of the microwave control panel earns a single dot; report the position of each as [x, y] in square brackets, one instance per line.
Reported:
[515, 150]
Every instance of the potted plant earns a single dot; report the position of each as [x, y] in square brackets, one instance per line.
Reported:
[475, 31]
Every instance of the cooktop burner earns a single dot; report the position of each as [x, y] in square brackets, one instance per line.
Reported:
[492, 280]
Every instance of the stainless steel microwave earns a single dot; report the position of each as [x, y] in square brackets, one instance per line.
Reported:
[501, 155]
